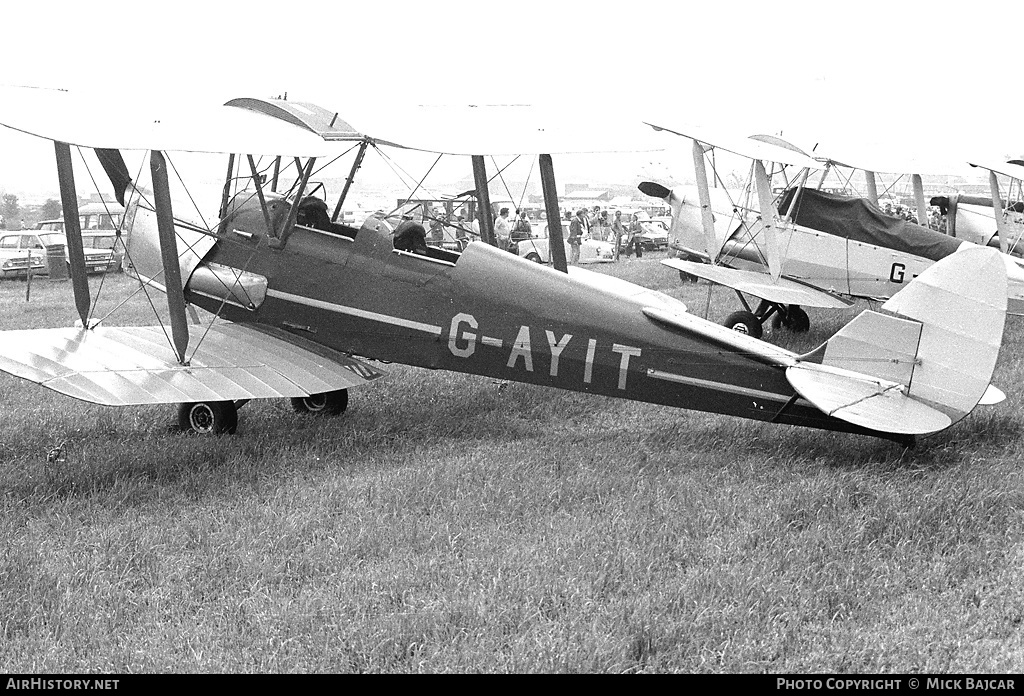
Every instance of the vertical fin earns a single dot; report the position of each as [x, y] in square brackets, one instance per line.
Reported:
[961, 301]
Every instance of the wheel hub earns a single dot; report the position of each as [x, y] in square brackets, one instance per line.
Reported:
[201, 417]
[316, 403]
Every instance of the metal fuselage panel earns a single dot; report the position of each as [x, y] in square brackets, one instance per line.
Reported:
[827, 261]
[494, 314]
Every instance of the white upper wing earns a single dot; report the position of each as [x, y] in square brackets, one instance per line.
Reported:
[749, 147]
[509, 130]
[102, 122]
[873, 158]
[1014, 171]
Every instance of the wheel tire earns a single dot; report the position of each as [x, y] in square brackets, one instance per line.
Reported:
[688, 277]
[795, 319]
[745, 323]
[327, 403]
[532, 256]
[208, 417]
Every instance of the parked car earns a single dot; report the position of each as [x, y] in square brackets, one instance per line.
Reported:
[536, 248]
[99, 221]
[15, 248]
[655, 234]
[105, 239]
[19, 252]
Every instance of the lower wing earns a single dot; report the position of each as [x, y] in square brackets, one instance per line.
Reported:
[782, 291]
[133, 365]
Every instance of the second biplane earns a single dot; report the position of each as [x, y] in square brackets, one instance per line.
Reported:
[300, 301]
[795, 245]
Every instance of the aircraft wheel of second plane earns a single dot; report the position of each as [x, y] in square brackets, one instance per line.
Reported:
[208, 417]
[793, 318]
[744, 322]
[328, 403]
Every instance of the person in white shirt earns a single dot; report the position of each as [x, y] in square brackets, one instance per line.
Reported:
[502, 229]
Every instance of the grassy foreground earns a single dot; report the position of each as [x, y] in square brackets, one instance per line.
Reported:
[454, 523]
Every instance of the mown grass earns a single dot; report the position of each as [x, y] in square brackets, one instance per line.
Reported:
[451, 523]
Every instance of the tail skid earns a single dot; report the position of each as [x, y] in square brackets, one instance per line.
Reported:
[925, 369]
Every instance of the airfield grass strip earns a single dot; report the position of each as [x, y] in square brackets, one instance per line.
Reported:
[451, 523]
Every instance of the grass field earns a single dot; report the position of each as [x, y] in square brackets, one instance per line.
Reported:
[449, 523]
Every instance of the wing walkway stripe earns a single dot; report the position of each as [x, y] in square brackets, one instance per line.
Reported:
[352, 311]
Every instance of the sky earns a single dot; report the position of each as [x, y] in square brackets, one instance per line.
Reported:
[916, 78]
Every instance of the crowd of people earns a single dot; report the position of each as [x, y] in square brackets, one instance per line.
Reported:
[623, 231]
[936, 220]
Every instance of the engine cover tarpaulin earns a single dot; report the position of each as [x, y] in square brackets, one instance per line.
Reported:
[862, 221]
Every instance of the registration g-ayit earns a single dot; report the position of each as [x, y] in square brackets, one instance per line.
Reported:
[302, 306]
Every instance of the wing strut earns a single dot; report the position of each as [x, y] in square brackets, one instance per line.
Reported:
[922, 207]
[169, 253]
[869, 177]
[348, 182]
[769, 220]
[73, 230]
[707, 218]
[555, 239]
[293, 213]
[225, 194]
[997, 211]
[483, 200]
[259, 192]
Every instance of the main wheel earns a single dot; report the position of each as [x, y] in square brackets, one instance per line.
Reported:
[208, 417]
[745, 323]
[793, 318]
[687, 277]
[328, 403]
[534, 256]
[797, 319]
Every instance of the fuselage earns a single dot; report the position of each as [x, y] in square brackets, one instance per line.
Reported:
[824, 259]
[488, 312]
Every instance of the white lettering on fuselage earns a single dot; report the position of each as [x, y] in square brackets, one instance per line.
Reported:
[556, 349]
[521, 347]
[627, 352]
[588, 369]
[469, 338]
[464, 335]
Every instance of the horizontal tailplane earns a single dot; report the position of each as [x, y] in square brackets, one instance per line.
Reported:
[939, 352]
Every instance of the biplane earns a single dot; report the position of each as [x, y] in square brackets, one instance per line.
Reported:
[994, 220]
[966, 216]
[795, 245]
[301, 305]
